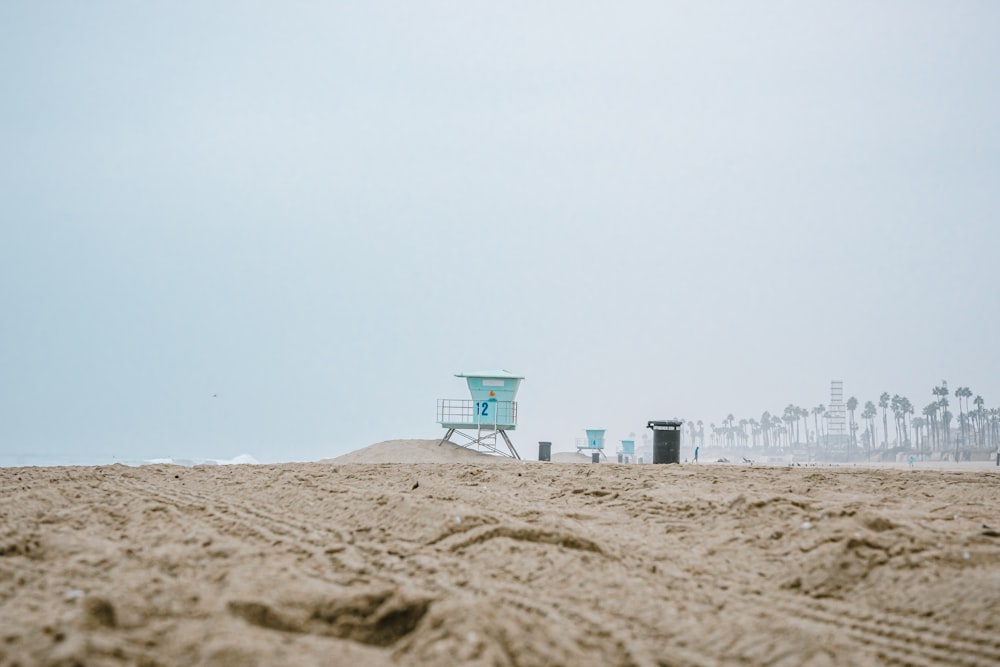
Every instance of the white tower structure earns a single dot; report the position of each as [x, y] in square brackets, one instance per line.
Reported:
[836, 417]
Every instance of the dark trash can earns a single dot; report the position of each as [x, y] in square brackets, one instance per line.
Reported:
[666, 440]
[544, 451]
[595, 457]
[620, 457]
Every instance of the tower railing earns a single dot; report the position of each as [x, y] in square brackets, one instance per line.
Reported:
[464, 413]
[488, 419]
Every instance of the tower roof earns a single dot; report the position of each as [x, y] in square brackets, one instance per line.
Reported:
[500, 374]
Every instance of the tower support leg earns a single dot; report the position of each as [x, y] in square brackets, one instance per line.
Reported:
[446, 436]
[510, 445]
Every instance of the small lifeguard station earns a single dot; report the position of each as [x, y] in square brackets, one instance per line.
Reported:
[628, 451]
[491, 412]
[594, 443]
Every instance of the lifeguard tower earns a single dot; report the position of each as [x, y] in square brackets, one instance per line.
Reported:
[594, 443]
[491, 412]
[628, 451]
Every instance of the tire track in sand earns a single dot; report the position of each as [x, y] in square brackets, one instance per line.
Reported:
[299, 537]
[891, 637]
[326, 545]
[897, 638]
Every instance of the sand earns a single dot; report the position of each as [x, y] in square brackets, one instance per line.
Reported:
[416, 451]
[493, 562]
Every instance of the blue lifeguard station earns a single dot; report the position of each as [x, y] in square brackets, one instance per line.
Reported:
[628, 450]
[491, 412]
[594, 443]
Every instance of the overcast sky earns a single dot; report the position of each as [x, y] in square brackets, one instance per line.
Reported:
[321, 211]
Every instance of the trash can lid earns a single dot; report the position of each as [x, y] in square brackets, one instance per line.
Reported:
[664, 424]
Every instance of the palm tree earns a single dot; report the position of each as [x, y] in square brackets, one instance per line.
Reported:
[918, 423]
[896, 413]
[907, 409]
[869, 416]
[901, 407]
[980, 434]
[942, 394]
[791, 415]
[960, 393]
[730, 430]
[816, 412]
[930, 412]
[994, 427]
[765, 429]
[946, 417]
[883, 402]
[804, 416]
[852, 405]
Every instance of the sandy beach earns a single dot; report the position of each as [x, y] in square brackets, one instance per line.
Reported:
[410, 553]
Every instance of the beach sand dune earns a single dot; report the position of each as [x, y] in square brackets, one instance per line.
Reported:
[497, 563]
[415, 451]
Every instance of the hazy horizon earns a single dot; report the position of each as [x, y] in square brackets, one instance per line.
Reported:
[280, 230]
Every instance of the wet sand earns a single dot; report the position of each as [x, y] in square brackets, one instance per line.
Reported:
[481, 561]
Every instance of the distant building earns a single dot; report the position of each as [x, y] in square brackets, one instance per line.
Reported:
[836, 417]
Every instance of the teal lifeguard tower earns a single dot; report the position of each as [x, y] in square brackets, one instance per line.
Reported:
[594, 442]
[491, 412]
[628, 450]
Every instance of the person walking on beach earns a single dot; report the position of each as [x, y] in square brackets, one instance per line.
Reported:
[696, 454]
